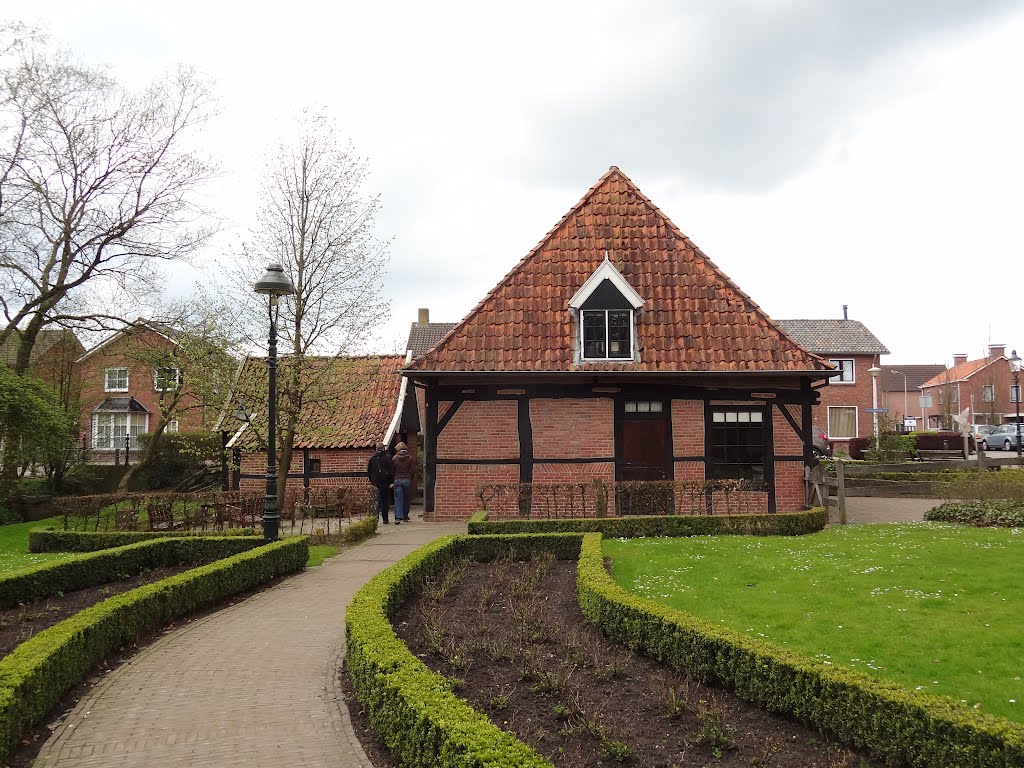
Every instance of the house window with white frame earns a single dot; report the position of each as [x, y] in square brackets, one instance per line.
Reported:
[842, 422]
[988, 393]
[607, 334]
[111, 429]
[167, 378]
[847, 373]
[736, 441]
[172, 426]
[115, 380]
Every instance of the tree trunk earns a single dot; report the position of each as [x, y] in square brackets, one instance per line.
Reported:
[147, 457]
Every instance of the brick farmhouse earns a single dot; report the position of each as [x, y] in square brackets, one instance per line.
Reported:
[615, 350]
[982, 385]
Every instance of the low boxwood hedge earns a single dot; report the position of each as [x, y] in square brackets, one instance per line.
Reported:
[412, 709]
[38, 672]
[1006, 513]
[632, 527]
[55, 540]
[93, 568]
[896, 725]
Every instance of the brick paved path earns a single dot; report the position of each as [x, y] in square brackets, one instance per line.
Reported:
[875, 509]
[251, 685]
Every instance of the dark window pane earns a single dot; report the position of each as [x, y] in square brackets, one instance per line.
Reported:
[594, 334]
[618, 335]
[737, 446]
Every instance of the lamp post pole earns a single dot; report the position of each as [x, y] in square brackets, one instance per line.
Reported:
[874, 371]
[273, 284]
[904, 392]
[1015, 366]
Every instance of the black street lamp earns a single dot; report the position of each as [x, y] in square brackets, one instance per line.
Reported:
[274, 283]
[1015, 367]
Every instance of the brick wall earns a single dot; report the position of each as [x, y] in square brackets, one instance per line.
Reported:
[455, 496]
[857, 394]
[572, 428]
[331, 460]
[481, 430]
[688, 431]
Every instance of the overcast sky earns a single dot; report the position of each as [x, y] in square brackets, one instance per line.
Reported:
[865, 152]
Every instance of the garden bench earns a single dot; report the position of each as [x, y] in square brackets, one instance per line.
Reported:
[940, 455]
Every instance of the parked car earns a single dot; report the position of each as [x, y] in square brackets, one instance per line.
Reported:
[980, 430]
[822, 445]
[1002, 438]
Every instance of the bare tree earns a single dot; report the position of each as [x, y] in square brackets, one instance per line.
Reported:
[316, 220]
[97, 188]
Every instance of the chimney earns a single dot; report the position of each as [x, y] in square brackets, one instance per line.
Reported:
[424, 316]
[844, 313]
[959, 358]
[996, 350]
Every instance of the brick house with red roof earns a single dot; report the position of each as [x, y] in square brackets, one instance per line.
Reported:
[362, 400]
[982, 385]
[615, 350]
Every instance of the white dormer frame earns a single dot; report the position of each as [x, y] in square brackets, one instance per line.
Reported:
[606, 271]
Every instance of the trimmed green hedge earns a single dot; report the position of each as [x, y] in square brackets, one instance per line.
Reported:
[412, 709]
[38, 672]
[632, 527]
[95, 568]
[54, 540]
[359, 530]
[896, 725]
[1007, 513]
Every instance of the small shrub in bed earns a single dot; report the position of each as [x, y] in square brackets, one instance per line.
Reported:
[1007, 513]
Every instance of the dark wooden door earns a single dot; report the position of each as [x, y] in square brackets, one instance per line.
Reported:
[645, 454]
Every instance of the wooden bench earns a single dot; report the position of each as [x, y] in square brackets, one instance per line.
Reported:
[936, 455]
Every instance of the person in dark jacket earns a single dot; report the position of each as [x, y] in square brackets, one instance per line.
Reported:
[381, 472]
[405, 477]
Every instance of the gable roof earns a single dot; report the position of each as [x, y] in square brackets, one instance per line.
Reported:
[694, 317]
[962, 372]
[834, 337]
[169, 333]
[45, 341]
[423, 336]
[358, 404]
[890, 379]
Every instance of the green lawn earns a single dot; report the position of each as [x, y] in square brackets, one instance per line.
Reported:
[933, 607]
[14, 552]
[319, 553]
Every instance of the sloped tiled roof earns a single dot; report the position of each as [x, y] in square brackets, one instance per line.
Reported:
[961, 372]
[891, 381]
[834, 337]
[694, 317]
[354, 401]
[423, 336]
[44, 343]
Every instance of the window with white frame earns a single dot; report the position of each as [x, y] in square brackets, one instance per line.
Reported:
[607, 334]
[847, 374]
[643, 406]
[988, 393]
[115, 380]
[111, 429]
[167, 378]
[172, 426]
[842, 422]
[736, 440]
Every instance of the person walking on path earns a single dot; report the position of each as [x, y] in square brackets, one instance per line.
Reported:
[381, 472]
[405, 477]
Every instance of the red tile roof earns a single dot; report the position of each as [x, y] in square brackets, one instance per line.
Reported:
[961, 372]
[694, 317]
[356, 401]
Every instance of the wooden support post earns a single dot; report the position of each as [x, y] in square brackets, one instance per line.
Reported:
[841, 491]
[430, 449]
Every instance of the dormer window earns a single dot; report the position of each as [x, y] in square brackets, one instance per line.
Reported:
[606, 316]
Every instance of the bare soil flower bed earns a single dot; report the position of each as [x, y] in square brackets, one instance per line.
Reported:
[25, 621]
[511, 638]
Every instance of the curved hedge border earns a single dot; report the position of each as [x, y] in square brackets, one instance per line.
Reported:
[412, 709]
[54, 540]
[95, 568]
[38, 672]
[632, 527]
[898, 726]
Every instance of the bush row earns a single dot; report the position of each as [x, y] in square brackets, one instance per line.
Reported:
[94, 568]
[896, 725]
[893, 443]
[779, 524]
[38, 672]
[359, 530]
[412, 709]
[1008, 513]
[52, 540]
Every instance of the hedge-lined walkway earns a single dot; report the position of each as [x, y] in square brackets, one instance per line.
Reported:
[251, 685]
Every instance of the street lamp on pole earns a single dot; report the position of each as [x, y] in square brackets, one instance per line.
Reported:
[904, 392]
[874, 371]
[1015, 367]
[274, 284]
